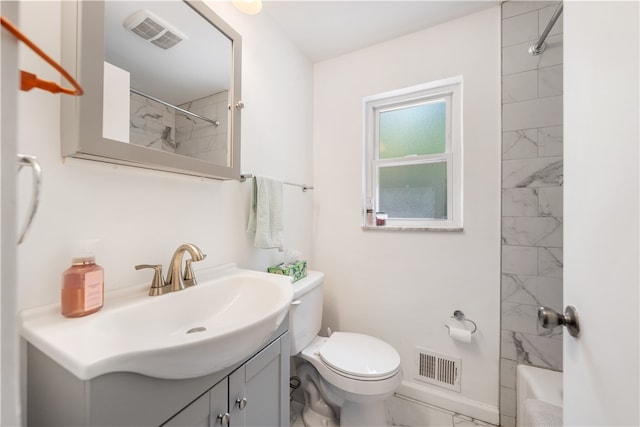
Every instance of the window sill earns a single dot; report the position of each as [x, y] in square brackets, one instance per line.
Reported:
[408, 228]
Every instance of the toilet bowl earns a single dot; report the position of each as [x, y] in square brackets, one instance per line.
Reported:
[354, 373]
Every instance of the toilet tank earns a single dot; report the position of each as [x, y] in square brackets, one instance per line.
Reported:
[305, 314]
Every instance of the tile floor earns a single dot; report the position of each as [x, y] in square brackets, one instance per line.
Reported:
[404, 413]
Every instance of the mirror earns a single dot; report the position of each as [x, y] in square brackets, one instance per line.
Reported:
[162, 86]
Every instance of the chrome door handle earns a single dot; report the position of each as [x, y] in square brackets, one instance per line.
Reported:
[549, 319]
[32, 162]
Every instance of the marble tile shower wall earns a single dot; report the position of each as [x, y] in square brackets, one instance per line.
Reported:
[532, 174]
[199, 139]
[151, 124]
[157, 126]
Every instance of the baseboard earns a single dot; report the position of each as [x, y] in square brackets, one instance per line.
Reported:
[454, 403]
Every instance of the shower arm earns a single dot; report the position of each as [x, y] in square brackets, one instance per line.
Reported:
[538, 47]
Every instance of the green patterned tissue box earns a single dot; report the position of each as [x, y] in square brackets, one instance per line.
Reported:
[297, 270]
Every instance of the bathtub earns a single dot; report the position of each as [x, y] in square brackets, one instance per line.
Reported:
[539, 394]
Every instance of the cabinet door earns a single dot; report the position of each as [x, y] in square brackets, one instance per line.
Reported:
[219, 404]
[194, 415]
[209, 410]
[258, 390]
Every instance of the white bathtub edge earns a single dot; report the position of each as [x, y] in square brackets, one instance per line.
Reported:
[537, 383]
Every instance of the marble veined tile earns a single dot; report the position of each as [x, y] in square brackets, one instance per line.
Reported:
[539, 172]
[520, 318]
[534, 113]
[520, 86]
[550, 81]
[520, 144]
[550, 201]
[545, 352]
[520, 202]
[532, 290]
[550, 141]
[520, 28]
[516, 58]
[508, 373]
[550, 262]
[553, 55]
[520, 260]
[508, 401]
[532, 231]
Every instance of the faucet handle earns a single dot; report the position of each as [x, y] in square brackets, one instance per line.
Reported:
[158, 285]
[188, 277]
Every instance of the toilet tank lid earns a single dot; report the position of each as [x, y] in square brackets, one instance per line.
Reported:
[310, 281]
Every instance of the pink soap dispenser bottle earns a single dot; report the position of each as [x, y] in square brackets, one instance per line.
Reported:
[82, 285]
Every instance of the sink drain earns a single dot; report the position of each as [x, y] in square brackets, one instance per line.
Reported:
[197, 329]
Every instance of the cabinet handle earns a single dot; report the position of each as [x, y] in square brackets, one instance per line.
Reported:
[223, 418]
[241, 402]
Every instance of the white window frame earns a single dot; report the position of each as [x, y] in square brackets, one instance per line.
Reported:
[449, 89]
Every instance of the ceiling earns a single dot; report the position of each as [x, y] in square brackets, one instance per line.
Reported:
[323, 29]
[176, 75]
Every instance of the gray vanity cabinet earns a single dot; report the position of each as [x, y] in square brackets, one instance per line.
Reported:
[206, 411]
[55, 397]
[255, 394]
[198, 413]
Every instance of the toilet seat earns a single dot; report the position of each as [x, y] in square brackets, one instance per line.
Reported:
[357, 386]
[360, 357]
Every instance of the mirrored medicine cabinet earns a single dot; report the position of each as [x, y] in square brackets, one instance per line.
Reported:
[162, 86]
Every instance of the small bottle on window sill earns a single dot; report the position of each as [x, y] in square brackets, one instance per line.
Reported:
[370, 220]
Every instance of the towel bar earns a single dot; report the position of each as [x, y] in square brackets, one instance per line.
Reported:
[305, 187]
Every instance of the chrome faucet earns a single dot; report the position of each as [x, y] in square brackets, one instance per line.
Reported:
[176, 280]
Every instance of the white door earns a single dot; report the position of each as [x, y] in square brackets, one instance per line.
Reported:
[601, 279]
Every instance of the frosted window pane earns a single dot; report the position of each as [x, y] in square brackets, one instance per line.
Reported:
[418, 129]
[414, 191]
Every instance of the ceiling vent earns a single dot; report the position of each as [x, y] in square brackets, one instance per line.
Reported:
[153, 29]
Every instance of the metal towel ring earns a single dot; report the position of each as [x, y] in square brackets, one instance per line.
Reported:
[459, 315]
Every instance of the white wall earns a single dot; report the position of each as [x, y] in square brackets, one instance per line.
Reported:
[602, 92]
[141, 216]
[9, 394]
[403, 286]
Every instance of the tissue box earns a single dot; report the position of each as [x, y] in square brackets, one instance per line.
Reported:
[297, 270]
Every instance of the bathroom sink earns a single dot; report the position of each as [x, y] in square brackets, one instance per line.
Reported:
[197, 331]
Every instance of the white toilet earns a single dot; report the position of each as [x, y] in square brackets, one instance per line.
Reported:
[354, 373]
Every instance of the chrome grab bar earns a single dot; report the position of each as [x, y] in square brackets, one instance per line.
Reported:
[32, 162]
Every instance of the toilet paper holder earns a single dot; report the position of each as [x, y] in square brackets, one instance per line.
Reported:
[459, 315]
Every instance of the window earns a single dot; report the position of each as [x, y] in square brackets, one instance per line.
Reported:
[413, 156]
